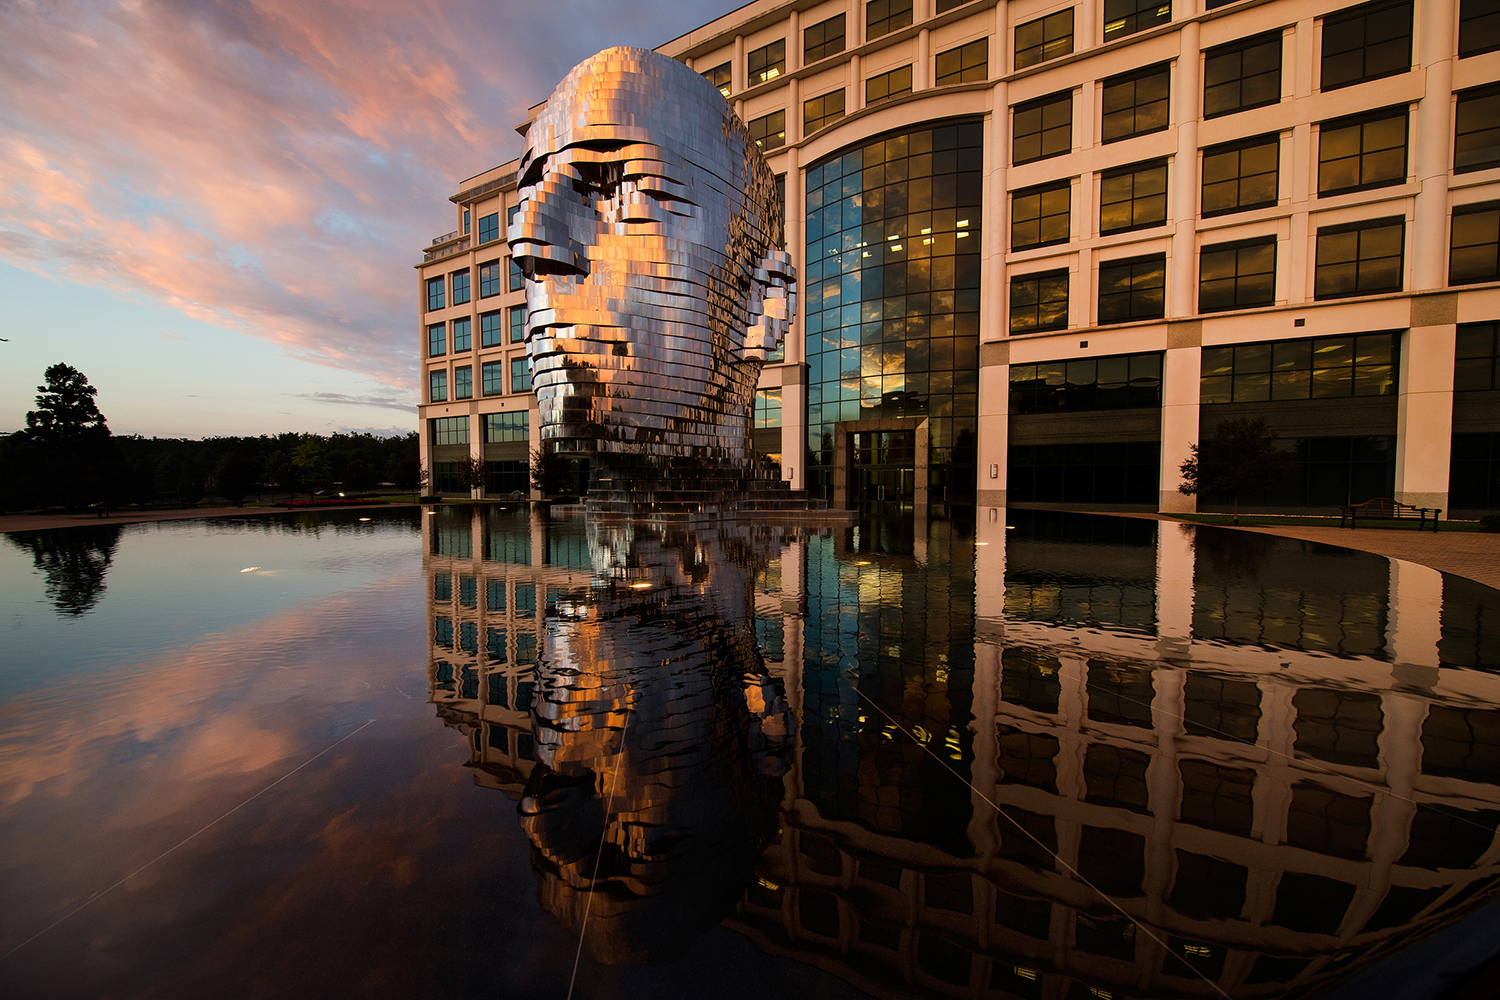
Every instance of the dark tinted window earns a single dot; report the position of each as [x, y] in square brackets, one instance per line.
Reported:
[1366, 43]
[1476, 139]
[1045, 38]
[823, 39]
[1134, 288]
[1364, 152]
[1133, 197]
[1237, 275]
[1241, 176]
[1136, 103]
[1043, 128]
[1360, 259]
[1246, 74]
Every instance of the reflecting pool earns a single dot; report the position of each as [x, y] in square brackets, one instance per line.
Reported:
[406, 754]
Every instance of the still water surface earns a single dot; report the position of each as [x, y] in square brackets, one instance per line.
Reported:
[403, 755]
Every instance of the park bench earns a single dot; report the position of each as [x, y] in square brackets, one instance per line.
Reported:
[1385, 509]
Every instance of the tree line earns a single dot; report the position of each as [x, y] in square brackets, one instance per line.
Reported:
[67, 457]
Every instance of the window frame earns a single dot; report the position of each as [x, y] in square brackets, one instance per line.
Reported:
[1133, 79]
[889, 77]
[437, 385]
[496, 430]
[1361, 121]
[1463, 211]
[773, 67]
[515, 279]
[1360, 12]
[726, 85]
[1236, 247]
[463, 382]
[520, 385]
[1470, 96]
[779, 135]
[1045, 24]
[1239, 146]
[437, 340]
[1397, 222]
[1041, 104]
[488, 224]
[1038, 278]
[510, 322]
[967, 71]
[436, 292]
[1130, 23]
[1240, 47]
[446, 432]
[1267, 371]
[1131, 315]
[492, 378]
[459, 281]
[1472, 17]
[1039, 192]
[492, 328]
[1483, 372]
[825, 119]
[466, 324]
[895, 15]
[825, 41]
[1132, 170]
[489, 278]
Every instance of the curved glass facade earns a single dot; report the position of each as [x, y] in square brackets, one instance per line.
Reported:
[892, 279]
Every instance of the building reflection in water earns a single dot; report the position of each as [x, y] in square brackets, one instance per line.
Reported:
[1274, 757]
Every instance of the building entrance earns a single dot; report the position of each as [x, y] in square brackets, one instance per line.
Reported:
[884, 466]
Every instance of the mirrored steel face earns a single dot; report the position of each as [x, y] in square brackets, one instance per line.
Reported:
[648, 232]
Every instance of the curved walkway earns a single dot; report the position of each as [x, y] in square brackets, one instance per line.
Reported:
[1472, 554]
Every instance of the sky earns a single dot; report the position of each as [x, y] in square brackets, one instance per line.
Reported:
[212, 208]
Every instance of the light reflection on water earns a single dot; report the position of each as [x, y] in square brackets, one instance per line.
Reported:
[1277, 759]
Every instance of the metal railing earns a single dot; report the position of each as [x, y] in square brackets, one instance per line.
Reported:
[438, 253]
[444, 238]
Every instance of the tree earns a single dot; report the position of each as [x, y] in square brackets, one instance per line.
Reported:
[1241, 457]
[548, 472]
[311, 463]
[190, 483]
[407, 474]
[235, 476]
[65, 408]
[359, 475]
[472, 474]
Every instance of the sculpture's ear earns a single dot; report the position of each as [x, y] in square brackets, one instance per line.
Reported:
[773, 304]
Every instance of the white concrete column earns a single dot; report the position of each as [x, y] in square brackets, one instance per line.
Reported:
[1085, 26]
[1175, 563]
[854, 91]
[793, 124]
[793, 40]
[1182, 286]
[1180, 377]
[920, 78]
[1424, 406]
[1433, 145]
[737, 69]
[854, 24]
[989, 570]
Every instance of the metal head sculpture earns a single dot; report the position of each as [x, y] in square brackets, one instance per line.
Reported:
[649, 231]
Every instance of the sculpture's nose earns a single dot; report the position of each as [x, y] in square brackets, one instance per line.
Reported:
[542, 241]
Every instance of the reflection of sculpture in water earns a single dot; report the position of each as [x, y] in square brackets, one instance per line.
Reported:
[649, 230]
[74, 560]
[660, 737]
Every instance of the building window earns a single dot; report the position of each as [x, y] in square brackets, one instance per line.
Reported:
[1321, 368]
[1039, 216]
[1045, 38]
[1134, 288]
[437, 340]
[769, 131]
[1364, 152]
[885, 16]
[505, 477]
[437, 386]
[449, 430]
[492, 378]
[884, 86]
[517, 279]
[1361, 258]
[1114, 382]
[1476, 140]
[1133, 197]
[462, 328]
[1478, 27]
[766, 63]
[1477, 360]
[490, 334]
[1113, 472]
[1474, 480]
[466, 222]
[1039, 302]
[1043, 128]
[965, 64]
[1240, 176]
[460, 287]
[434, 293]
[820, 111]
[500, 428]
[1126, 17]
[518, 317]
[823, 39]
[1366, 43]
[489, 279]
[1244, 75]
[520, 374]
[1474, 251]
[721, 77]
[1136, 103]
[489, 227]
[463, 382]
[1237, 275]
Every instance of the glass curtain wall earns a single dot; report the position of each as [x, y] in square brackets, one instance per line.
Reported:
[893, 297]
